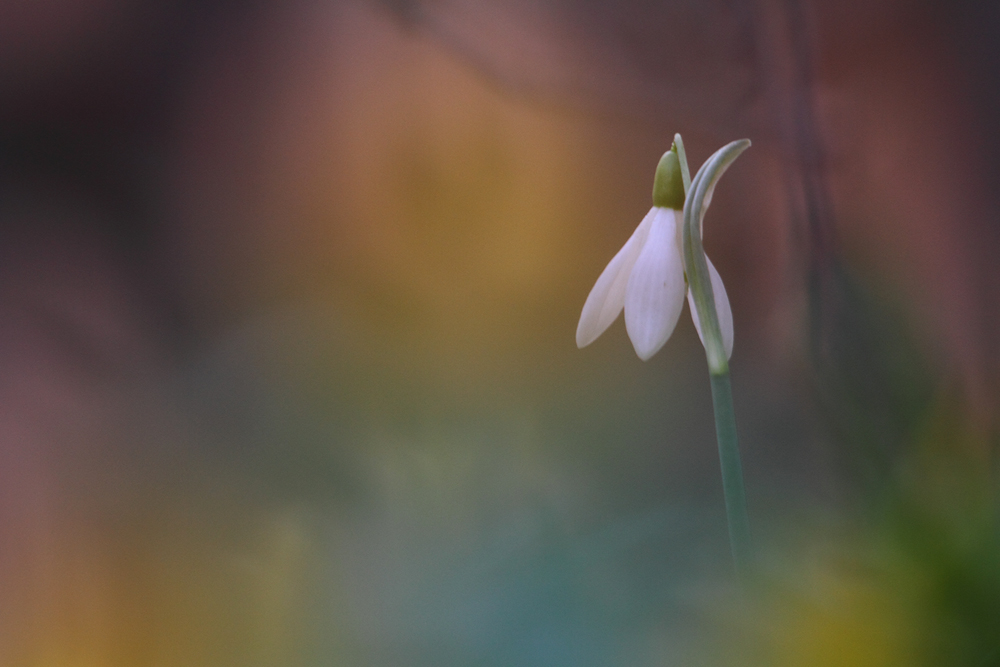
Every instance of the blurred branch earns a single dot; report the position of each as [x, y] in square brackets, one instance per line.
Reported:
[785, 41]
[692, 64]
[871, 381]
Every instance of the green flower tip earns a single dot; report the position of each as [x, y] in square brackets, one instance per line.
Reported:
[668, 186]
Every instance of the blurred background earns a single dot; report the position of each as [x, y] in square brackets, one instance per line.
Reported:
[288, 293]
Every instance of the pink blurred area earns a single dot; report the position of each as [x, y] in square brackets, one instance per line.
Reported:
[436, 186]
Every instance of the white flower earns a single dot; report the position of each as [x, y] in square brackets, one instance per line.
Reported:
[646, 278]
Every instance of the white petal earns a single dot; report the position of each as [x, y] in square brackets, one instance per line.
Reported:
[655, 294]
[722, 308]
[608, 296]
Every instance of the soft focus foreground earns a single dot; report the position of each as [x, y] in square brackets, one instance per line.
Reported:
[287, 302]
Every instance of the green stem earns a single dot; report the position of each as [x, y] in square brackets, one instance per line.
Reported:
[732, 472]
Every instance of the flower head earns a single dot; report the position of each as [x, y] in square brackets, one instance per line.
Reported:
[646, 278]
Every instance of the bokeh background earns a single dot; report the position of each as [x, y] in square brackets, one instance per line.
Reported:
[287, 301]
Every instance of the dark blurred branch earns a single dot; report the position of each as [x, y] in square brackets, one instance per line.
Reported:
[639, 63]
[809, 158]
[785, 41]
[871, 382]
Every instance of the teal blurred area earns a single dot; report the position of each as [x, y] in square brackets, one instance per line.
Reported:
[287, 302]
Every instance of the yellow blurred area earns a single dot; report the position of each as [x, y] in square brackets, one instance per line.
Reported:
[849, 618]
[185, 592]
[395, 184]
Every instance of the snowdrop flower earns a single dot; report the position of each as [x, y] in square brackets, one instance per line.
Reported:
[646, 278]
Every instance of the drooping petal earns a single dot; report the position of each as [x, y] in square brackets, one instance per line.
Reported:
[654, 297]
[724, 312]
[608, 296]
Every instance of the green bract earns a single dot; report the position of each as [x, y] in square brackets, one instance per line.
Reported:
[695, 263]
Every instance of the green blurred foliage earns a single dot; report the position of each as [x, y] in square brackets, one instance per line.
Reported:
[873, 384]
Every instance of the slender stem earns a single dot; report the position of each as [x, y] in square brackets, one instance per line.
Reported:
[732, 472]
